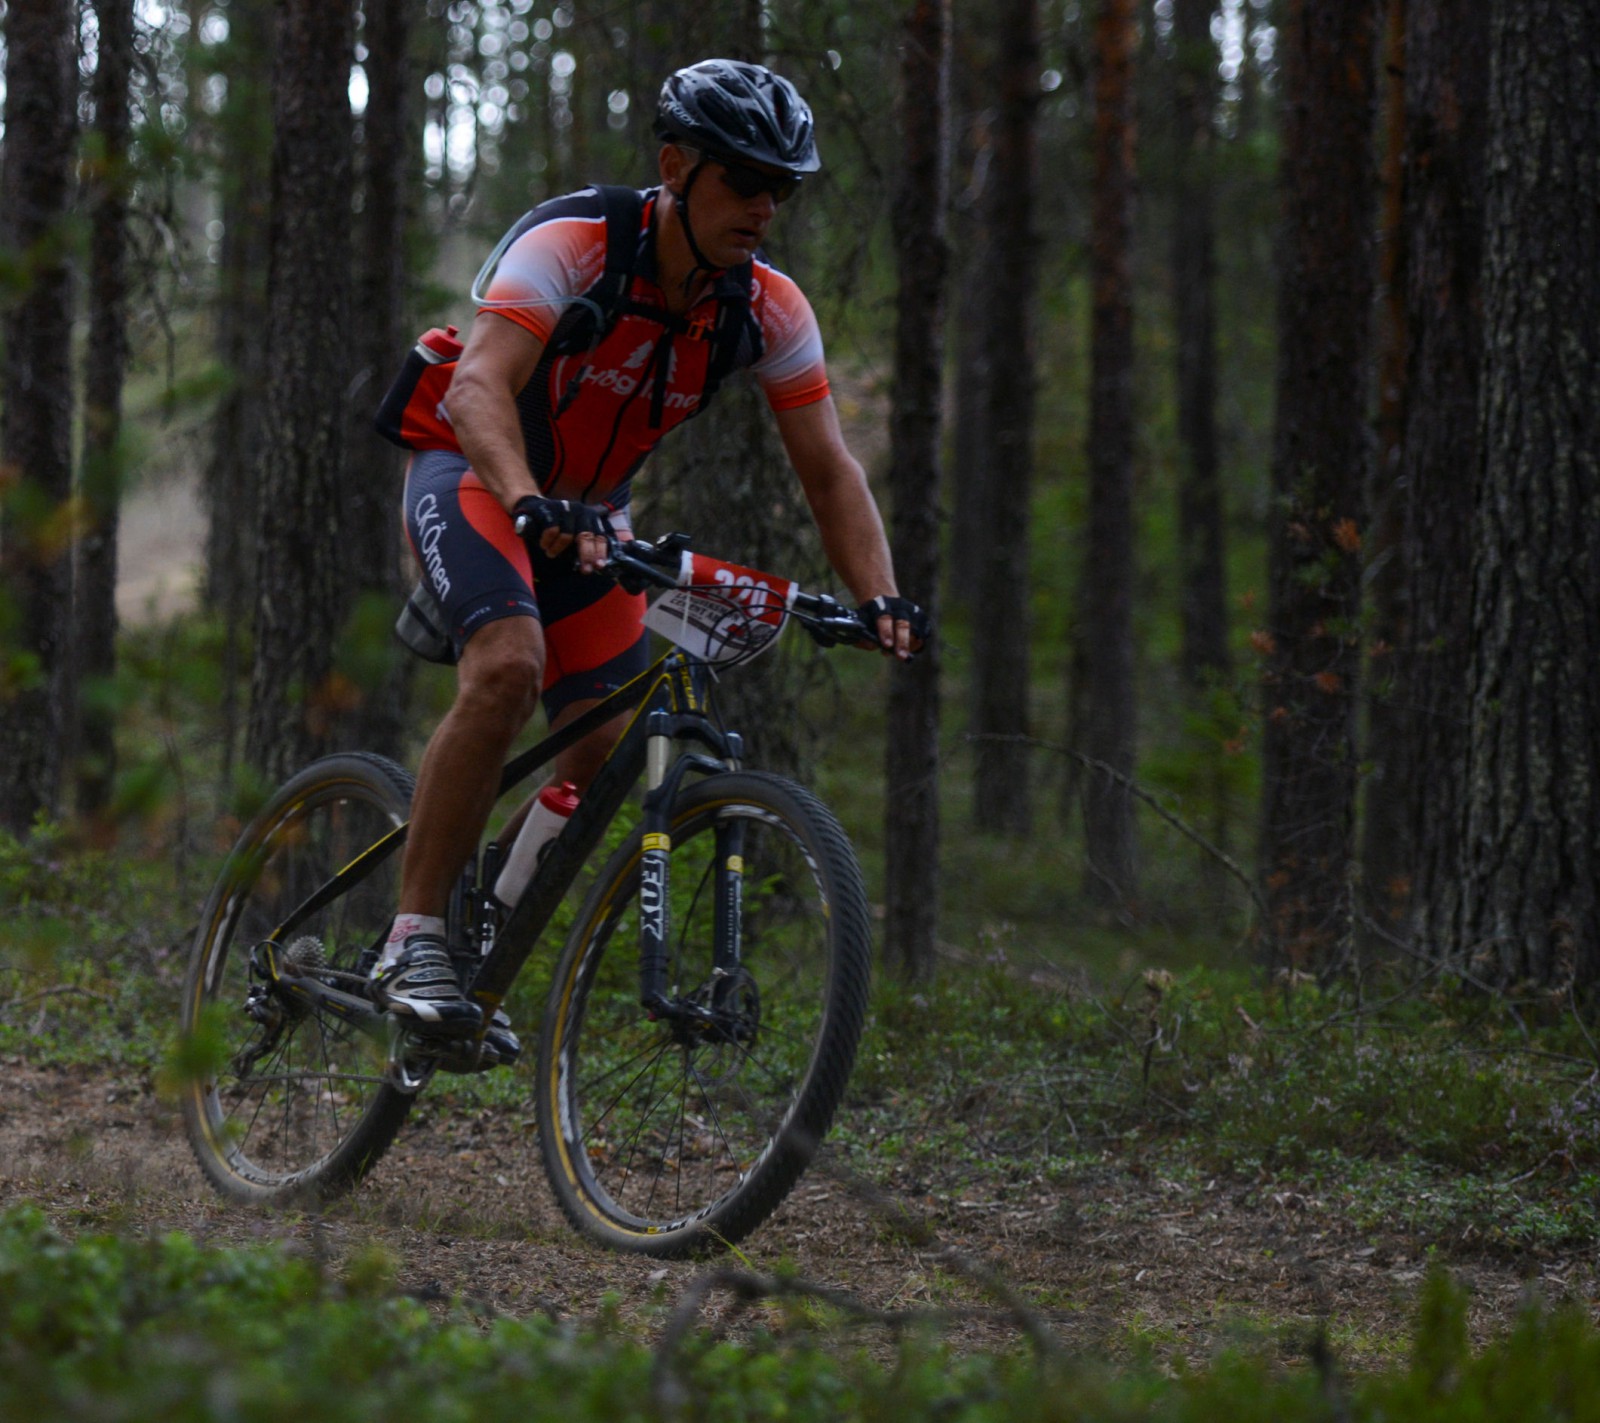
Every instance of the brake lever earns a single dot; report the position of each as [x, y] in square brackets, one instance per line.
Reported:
[634, 575]
[838, 630]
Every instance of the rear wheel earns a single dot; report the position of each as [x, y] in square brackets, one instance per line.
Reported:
[668, 1136]
[290, 1099]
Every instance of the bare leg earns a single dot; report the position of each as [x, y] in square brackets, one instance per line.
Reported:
[499, 679]
[579, 763]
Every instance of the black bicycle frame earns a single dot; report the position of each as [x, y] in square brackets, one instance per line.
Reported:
[671, 701]
[671, 697]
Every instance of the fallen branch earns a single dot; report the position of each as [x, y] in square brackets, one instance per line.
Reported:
[1177, 822]
[55, 992]
[749, 1288]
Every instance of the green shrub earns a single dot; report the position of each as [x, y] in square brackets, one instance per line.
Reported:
[114, 1328]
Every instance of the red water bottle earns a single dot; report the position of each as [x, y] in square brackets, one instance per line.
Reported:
[551, 810]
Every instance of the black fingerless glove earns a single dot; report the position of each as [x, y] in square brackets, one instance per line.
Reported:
[901, 610]
[533, 514]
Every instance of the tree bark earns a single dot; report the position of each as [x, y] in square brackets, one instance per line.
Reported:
[969, 466]
[105, 364]
[379, 667]
[1531, 872]
[1447, 94]
[911, 822]
[244, 173]
[1003, 795]
[36, 407]
[1106, 624]
[1205, 657]
[1320, 452]
[302, 587]
[1386, 852]
[970, 461]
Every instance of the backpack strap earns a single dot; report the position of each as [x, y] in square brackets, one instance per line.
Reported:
[585, 324]
[733, 324]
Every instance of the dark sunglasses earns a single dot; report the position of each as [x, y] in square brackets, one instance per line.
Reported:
[752, 182]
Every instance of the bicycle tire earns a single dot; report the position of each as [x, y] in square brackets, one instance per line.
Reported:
[303, 1110]
[631, 1167]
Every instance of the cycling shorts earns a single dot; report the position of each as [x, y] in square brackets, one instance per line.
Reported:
[480, 571]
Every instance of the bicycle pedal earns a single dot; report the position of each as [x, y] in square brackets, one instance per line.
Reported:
[500, 1048]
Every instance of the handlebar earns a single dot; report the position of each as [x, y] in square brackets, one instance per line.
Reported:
[637, 564]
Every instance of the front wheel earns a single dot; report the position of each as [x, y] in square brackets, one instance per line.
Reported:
[290, 1100]
[668, 1135]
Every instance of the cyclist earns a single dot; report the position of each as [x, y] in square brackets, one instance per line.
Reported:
[507, 521]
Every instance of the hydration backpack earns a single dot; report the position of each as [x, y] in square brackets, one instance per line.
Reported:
[412, 414]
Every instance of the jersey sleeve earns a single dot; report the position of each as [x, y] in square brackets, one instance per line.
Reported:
[791, 370]
[544, 268]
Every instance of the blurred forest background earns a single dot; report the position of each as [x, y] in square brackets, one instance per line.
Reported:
[1227, 370]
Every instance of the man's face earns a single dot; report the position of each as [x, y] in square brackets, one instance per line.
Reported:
[731, 205]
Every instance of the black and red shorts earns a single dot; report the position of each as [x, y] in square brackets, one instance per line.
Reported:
[480, 571]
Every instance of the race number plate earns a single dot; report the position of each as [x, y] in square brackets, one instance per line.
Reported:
[721, 611]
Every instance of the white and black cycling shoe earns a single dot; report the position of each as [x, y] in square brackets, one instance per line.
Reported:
[421, 984]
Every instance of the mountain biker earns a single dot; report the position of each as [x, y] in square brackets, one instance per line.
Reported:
[511, 516]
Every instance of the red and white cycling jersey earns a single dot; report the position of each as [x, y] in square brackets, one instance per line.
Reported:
[585, 441]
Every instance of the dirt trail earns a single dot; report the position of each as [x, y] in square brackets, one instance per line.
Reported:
[462, 1205]
[161, 543]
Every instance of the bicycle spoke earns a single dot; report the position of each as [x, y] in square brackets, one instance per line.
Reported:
[716, 1118]
[632, 1142]
[655, 1054]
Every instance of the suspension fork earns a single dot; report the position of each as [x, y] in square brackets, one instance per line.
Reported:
[664, 775]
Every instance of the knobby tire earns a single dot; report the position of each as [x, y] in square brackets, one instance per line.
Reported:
[667, 1143]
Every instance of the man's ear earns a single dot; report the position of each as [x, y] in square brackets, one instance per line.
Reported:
[674, 166]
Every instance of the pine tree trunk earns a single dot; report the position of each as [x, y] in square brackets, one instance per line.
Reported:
[1386, 851]
[105, 362]
[302, 588]
[36, 407]
[1205, 657]
[1106, 624]
[375, 545]
[969, 464]
[244, 175]
[1531, 873]
[1319, 464]
[1001, 640]
[911, 825]
[1447, 94]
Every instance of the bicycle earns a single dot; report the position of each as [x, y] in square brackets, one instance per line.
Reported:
[683, 1087]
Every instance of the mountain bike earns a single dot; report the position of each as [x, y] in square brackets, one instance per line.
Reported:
[703, 1015]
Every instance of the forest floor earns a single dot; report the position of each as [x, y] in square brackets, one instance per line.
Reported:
[1126, 1264]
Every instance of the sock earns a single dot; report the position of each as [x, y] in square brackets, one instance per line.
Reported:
[405, 925]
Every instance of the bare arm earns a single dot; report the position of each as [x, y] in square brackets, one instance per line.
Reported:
[846, 513]
[500, 358]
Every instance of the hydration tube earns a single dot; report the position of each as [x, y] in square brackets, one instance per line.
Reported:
[484, 302]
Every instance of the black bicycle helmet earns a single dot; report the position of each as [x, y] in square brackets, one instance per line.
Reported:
[732, 110]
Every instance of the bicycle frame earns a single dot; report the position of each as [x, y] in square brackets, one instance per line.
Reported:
[669, 700]
[672, 705]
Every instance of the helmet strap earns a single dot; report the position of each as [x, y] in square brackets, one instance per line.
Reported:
[701, 263]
